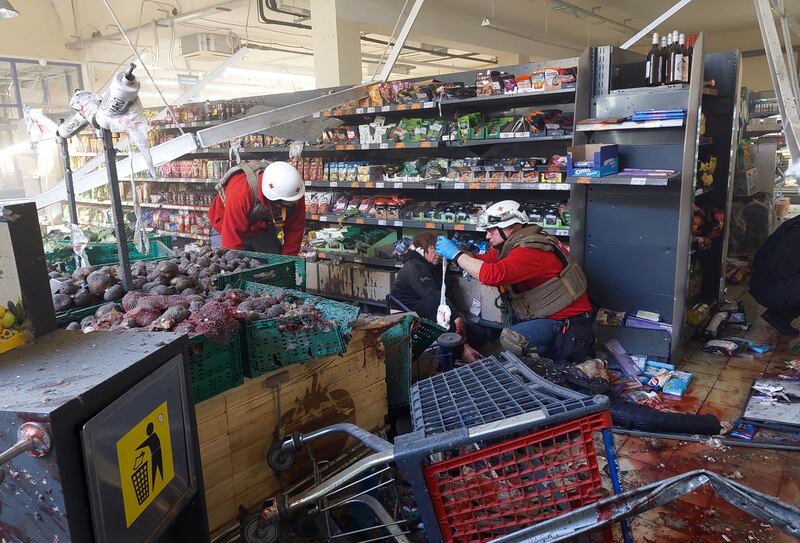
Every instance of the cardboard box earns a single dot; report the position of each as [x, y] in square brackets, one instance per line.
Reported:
[603, 159]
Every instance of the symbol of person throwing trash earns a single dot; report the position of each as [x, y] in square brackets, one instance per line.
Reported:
[154, 444]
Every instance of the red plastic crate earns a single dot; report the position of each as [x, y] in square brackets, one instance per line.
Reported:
[484, 493]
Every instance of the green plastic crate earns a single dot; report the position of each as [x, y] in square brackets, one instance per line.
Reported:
[214, 368]
[299, 267]
[403, 343]
[76, 314]
[104, 254]
[268, 345]
[278, 270]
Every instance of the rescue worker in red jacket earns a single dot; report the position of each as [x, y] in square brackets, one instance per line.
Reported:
[254, 201]
[539, 282]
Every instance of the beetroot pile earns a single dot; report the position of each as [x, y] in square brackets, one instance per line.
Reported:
[217, 315]
[179, 294]
[187, 273]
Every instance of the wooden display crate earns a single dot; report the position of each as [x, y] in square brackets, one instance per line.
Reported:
[236, 429]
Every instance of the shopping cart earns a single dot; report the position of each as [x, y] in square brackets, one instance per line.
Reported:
[494, 448]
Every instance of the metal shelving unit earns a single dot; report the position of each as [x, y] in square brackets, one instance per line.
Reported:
[633, 235]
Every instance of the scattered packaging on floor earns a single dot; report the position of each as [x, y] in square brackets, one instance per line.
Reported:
[724, 347]
[744, 430]
[607, 317]
[678, 384]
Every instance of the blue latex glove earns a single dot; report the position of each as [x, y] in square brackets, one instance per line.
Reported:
[446, 248]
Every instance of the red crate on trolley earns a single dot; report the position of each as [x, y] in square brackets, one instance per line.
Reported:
[498, 489]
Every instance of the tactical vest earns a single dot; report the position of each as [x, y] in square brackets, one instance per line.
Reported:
[552, 296]
[259, 212]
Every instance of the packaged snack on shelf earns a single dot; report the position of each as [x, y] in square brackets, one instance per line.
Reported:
[436, 168]
[552, 79]
[375, 98]
[538, 82]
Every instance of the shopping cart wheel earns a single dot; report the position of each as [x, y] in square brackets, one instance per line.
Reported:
[255, 530]
[279, 459]
[305, 526]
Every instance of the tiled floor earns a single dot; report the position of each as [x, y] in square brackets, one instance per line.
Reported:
[720, 387]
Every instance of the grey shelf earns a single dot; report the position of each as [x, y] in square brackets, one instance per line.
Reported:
[650, 181]
[630, 125]
[406, 223]
[357, 259]
[503, 141]
[439, 185]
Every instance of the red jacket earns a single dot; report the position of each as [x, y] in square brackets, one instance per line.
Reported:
[230, 218]
[526, 268]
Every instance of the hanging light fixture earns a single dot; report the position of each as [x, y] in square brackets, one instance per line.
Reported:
[7, 11]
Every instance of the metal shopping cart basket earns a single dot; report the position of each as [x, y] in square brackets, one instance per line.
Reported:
[494, 448]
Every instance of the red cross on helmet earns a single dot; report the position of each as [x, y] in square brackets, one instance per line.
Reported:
[284, 182]
[502, 214]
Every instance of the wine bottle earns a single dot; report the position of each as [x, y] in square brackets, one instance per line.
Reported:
[690, 53]
[653, 65]
[684, 67]
[675, 60]
[666, 45]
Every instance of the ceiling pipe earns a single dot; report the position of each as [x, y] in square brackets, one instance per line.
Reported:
[474, 57]
[585, 13]
[180, 18]
[534, 36]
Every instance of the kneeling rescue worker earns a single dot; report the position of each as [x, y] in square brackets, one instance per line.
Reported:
[538, 280]
[254, 201]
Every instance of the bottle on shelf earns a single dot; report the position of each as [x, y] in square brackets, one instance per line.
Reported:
[653, 65]
[684, 64]
[675, 56]
[690, 41]
[666, 42]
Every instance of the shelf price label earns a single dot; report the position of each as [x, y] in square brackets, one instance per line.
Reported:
[416, 105]
[359, 110]
[386, 108]
[314, 217]
[369, 185]
[504, 186]
[357, 260]
[339, 147]
[506, 135]
[491, 186]
[430, 225]
[354, 184]
[459, 185]
[401, 107]
[398, 185]
[359, 221]
[324, 218]
[334, 184]
[638, 180]
[428, 104]
[584, 180]
[458, 227]
[561, 186]
[474, 186]
[426, 144]
[350, 147]
[381, 222]
[370, 110]
[378, 185]
[400, 145]
[398, 223]
[384, 145]
[430, 186]
[316, 114]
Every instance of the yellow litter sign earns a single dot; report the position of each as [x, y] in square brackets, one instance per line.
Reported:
[145, 462]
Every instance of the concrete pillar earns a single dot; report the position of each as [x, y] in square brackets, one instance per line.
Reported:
[337, 45]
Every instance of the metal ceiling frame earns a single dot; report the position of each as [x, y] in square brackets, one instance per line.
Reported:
[260, 122]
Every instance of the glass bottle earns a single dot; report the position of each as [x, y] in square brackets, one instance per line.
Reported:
[652, 70]
[665, 43]
[676, 60]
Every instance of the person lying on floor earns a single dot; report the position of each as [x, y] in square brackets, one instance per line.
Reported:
[418, 288]
[592, 377]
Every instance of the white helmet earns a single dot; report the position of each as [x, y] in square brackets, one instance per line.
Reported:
[502, 214]
[282, 181]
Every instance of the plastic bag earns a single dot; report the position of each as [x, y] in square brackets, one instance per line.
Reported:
[40, 127]
[79, 243]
